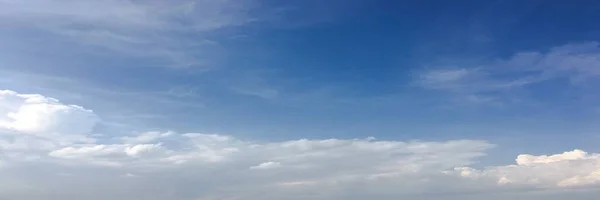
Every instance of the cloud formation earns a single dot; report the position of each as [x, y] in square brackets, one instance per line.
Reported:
[569, 169]
[169, 165]
[45, 117]
[148, 29]
[576, 62]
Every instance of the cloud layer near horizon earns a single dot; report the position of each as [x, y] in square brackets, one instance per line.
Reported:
[50, 149]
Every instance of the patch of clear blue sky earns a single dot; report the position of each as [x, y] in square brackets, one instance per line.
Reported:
[340, 69]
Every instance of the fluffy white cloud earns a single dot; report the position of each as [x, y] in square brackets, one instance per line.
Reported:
[45, 117]
[527, 159]
[573, 168]
[169, 165]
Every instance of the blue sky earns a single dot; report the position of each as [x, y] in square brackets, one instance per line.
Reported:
[518, 75]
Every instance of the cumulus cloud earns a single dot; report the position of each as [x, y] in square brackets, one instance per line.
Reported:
[527, 159]
[45, 117]
[569, 169]
[170, 165]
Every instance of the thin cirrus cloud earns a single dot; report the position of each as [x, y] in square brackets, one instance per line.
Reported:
[148, 29]
[160, 165]
[576, 62]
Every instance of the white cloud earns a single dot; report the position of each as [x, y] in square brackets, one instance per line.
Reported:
[527, 159]
[45, 117]
[88, 151]
[267, 165]
[573, 168]
[142, 149]
[204, 166]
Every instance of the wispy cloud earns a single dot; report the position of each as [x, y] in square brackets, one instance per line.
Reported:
[152, 28]
[449, 79]
[576, 62]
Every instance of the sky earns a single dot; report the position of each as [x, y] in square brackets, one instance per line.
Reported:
[312, 99]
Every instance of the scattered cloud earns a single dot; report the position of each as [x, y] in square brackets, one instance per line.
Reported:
[217, 165]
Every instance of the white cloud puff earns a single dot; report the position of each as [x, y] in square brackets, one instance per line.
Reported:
[142, 149]
[576, 154]
[568, 169]
[45, 117]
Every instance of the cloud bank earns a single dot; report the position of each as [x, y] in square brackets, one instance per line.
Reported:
[48, 150]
